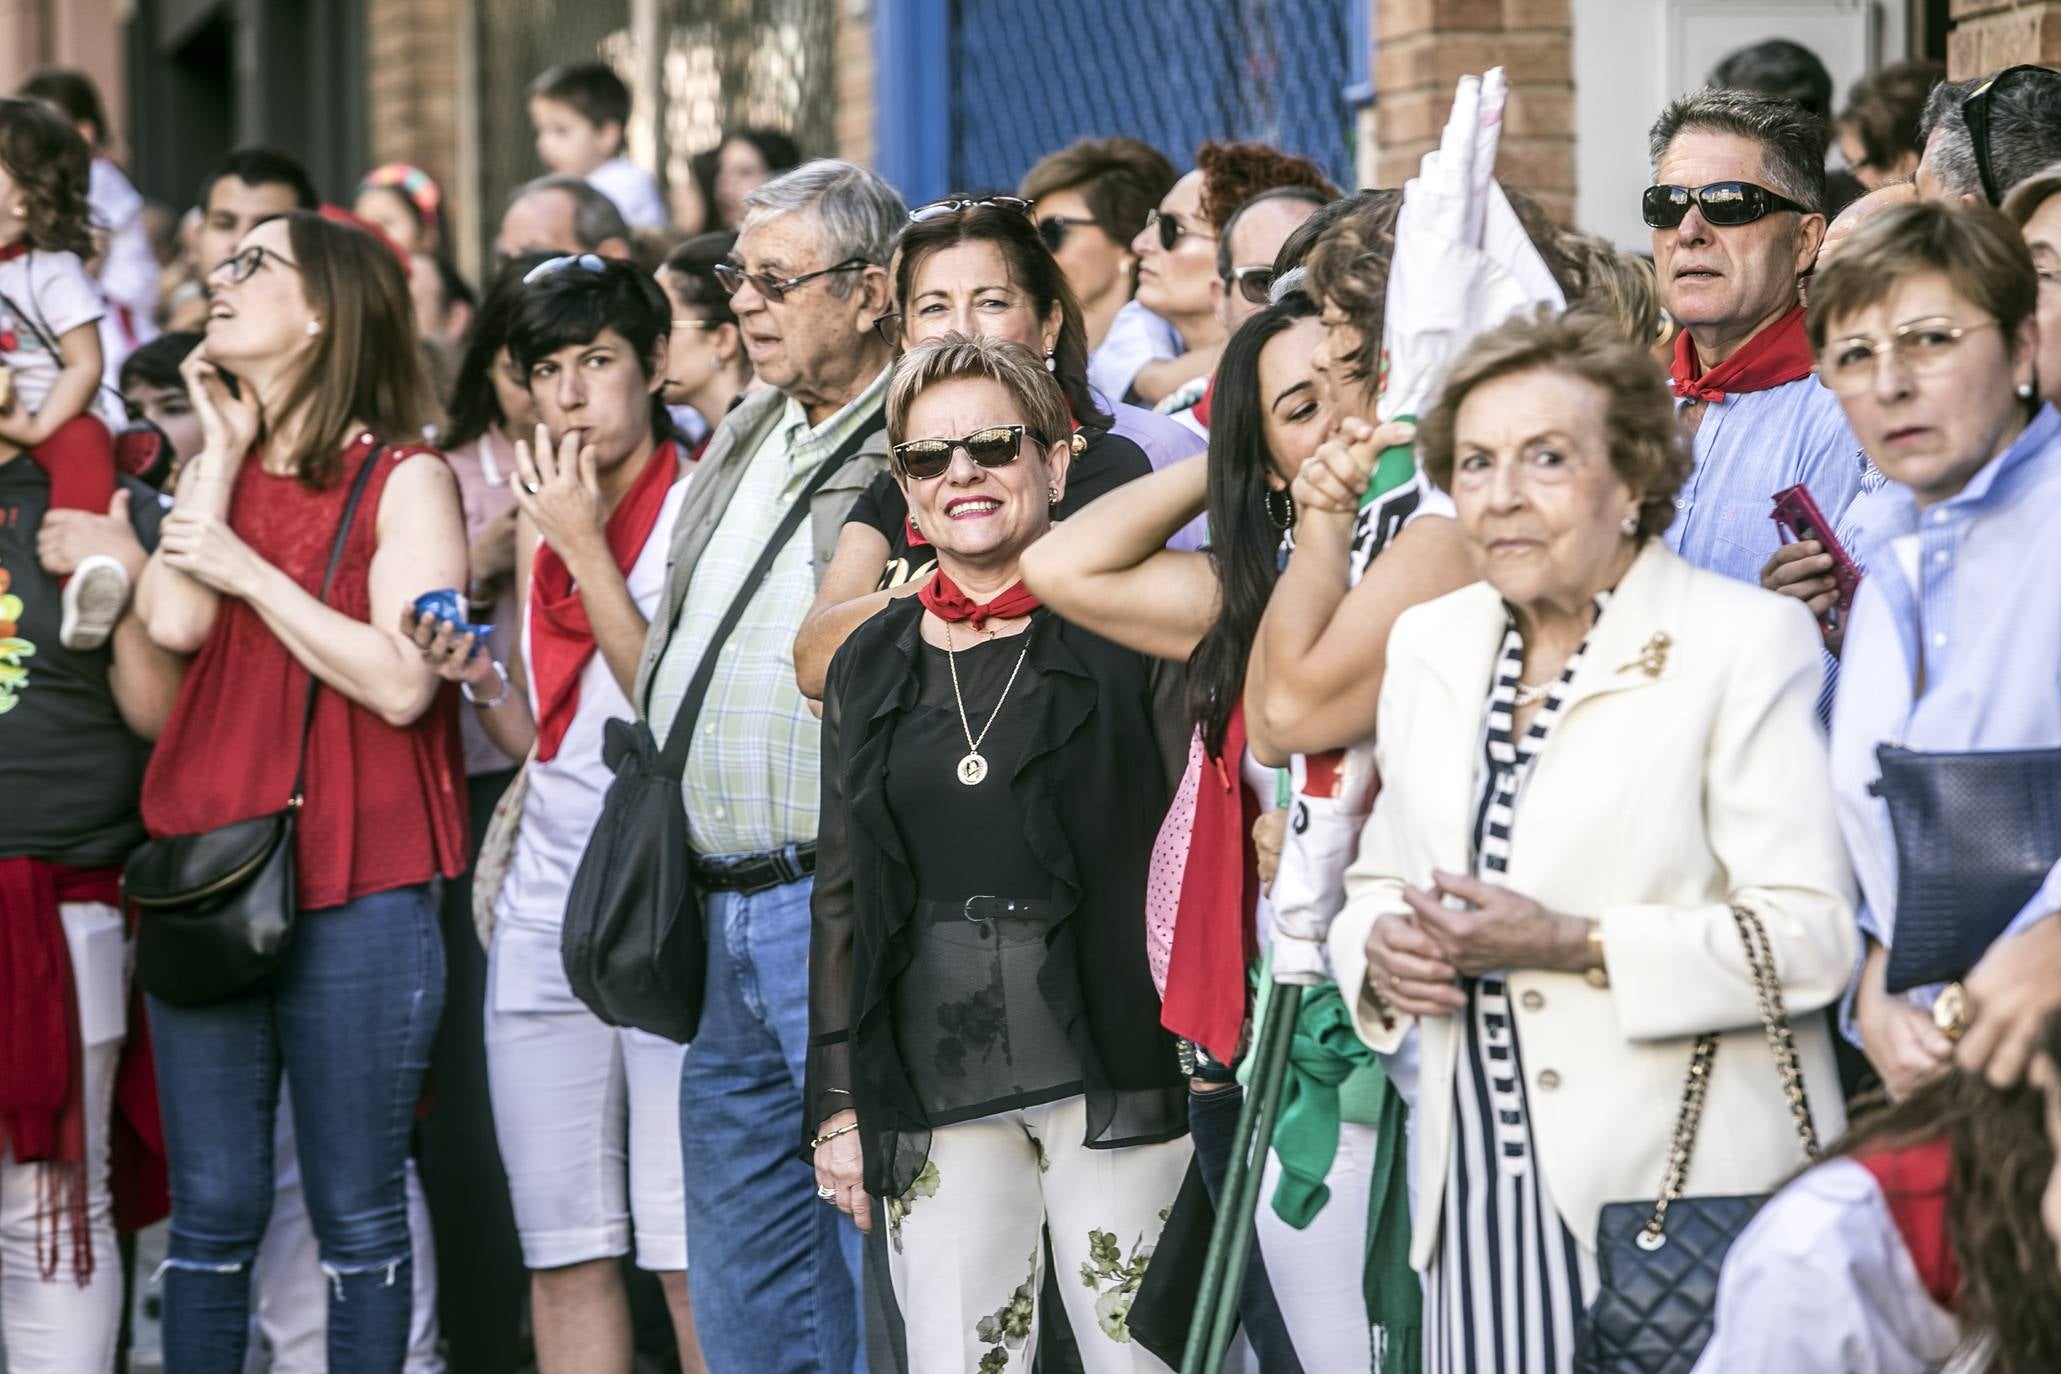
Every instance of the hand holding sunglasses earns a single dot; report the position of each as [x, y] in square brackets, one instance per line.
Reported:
[996, 446]
[1725, 204]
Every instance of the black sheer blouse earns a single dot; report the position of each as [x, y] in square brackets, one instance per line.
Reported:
[1086, 753]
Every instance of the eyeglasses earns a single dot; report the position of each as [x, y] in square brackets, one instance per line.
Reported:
[1725, 204]
[733, 278]
[938, 209]
[1975, 114]
[994, 447]
[1256, 284]
[241, 266]
[1053, 228]
[889, 328]
[682, 322]
[585, 262]
[1171, 229]
[1922, 348]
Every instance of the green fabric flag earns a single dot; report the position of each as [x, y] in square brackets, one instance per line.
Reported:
[1395, 1299]
[1324, 1051]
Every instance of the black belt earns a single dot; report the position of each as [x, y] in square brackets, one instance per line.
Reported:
[984, 908]
[748, 873]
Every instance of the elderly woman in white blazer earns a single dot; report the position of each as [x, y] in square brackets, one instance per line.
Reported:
[1587, 760]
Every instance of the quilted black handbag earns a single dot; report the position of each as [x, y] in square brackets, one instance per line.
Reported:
[1657, 1263]
[216, 910]
[1976, 834]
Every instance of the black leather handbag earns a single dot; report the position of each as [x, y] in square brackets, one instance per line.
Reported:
[1657, 1263]
[1976, 834]
[216, 910]
[633, 942]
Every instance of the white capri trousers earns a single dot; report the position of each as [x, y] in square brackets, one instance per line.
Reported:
[587, 1115]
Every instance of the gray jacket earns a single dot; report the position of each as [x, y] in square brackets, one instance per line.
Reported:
[716, 479]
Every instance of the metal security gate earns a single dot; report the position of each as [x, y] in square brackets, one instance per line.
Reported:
[1028, 78]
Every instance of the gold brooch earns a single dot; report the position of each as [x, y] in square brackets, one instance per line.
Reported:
[1652, 658]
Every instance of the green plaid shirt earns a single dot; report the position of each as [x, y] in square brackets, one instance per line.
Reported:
[753, 779]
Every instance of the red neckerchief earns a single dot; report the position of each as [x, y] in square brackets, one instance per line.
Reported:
[1914, 1180]
[42, 1062]
[1777, 356]
[20, 248]
[943, 599]
[1214, 940]
[561, 639]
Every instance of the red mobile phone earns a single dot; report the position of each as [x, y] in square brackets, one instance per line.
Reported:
[1799, 518]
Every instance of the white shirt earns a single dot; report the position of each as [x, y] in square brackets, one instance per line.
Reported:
[128, 269]
[633, 190]
[43, 297]
[1136, 337]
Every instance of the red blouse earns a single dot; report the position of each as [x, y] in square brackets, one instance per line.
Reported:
[384, 807]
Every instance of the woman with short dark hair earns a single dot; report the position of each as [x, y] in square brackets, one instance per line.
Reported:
[308, 384]
[1092, 198]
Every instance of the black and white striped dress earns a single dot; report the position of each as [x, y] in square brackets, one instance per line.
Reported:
[1508, 1286]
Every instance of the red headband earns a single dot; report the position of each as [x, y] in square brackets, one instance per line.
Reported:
[336, 214]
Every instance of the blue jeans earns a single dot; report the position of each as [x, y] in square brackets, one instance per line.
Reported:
[772, 1268]
[349, 1014]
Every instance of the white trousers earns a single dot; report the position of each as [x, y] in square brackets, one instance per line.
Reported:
[966, 1249]
[292, 1299]
[55, 1325]
[587, 1116]
[1316, 1272]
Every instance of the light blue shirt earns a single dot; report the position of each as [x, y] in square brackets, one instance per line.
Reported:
[1751, 445]
[1975, 584]
[1136, 337]
[1164, 441]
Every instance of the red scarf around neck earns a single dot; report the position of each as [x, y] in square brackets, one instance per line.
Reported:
[1777, 356]
[1915, 1181]
[1214, 939]
[942, 598]
[561, 639]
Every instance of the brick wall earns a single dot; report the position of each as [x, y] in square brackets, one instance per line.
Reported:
[1422, 47]
[413, 91]
[854, 114]
[1989, 34]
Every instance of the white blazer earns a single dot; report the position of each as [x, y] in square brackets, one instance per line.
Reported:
[1658, 802]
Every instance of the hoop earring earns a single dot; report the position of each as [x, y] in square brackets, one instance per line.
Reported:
[1280, 509]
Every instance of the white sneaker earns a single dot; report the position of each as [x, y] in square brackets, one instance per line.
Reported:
[93, 602]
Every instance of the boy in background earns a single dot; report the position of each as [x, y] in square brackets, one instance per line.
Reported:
[579, 110]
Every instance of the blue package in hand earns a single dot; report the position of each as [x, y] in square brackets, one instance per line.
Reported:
[445, 604]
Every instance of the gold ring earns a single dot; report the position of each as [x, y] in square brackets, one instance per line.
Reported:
[1950, 1012]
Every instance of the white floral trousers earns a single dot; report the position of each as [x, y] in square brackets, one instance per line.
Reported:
[966, 1244]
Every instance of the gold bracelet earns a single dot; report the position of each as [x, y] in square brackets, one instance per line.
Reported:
[824, 1139]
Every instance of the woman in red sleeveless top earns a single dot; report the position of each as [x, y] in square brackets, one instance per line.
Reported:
[312, 318]
[1916, 1244]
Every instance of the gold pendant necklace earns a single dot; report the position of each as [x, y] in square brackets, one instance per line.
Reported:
[972, 770]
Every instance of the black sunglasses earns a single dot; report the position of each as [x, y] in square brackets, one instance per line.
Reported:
[1724, 203]
[1975, 113]
[997, 446]
[732, 278]
[1256, 284]
[1053, 228]
[1171, 229]
[938, 209]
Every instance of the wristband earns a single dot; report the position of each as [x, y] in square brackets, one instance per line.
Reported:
[824, 1139]
[465, 688]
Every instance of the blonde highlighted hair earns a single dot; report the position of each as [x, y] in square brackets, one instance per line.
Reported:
[1015, 368]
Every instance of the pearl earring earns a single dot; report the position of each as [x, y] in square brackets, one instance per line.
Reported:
[1051, 496]
[2025, 391]
[1630, 525]
[1051, 364]
[314, 328]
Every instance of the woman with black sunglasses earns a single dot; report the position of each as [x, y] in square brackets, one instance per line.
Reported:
[985, 1055]
[976, 266]
[1092, 198]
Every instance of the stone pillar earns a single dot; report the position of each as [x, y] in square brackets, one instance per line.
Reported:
[1990, 34]
[1422, 47]
[853, 115]
[413, 91]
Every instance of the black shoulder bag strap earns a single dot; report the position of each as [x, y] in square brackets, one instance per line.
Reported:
[336, 553]
[672, 761]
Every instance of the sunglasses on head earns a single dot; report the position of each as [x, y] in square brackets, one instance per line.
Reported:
[997, 446]
[1723, 203]
[1975, 114]
[1053, 229]
[1171, 229]
[938, 209]
[585, 262]
[1256, 284]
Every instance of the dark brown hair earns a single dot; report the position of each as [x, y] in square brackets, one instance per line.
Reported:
[74, 95]
[1122, 179]
[52, 167]
[2010, 1290]
[363, 368]
[1348, 268]
[1885, 108]
[1978, 251]
[1647, 449]
[1233, 173]
[1032, 270]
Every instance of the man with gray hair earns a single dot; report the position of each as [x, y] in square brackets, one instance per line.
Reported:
[561, 214]
[1737, 217]
[1983, 137]
[772, 1268]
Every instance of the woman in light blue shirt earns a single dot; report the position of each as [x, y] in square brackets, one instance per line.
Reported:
[1924, 328]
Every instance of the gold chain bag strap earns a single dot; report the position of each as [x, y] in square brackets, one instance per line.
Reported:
[1657, 1265]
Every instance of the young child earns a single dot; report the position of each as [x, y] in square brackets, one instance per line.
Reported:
[579, 110]
[50, 359]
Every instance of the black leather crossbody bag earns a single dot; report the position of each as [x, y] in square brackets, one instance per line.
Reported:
[217, 909]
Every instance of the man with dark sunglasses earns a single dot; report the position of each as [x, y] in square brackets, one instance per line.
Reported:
[1735, 210]
[772, 1267]
[1983, 137]
[1252, 236]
